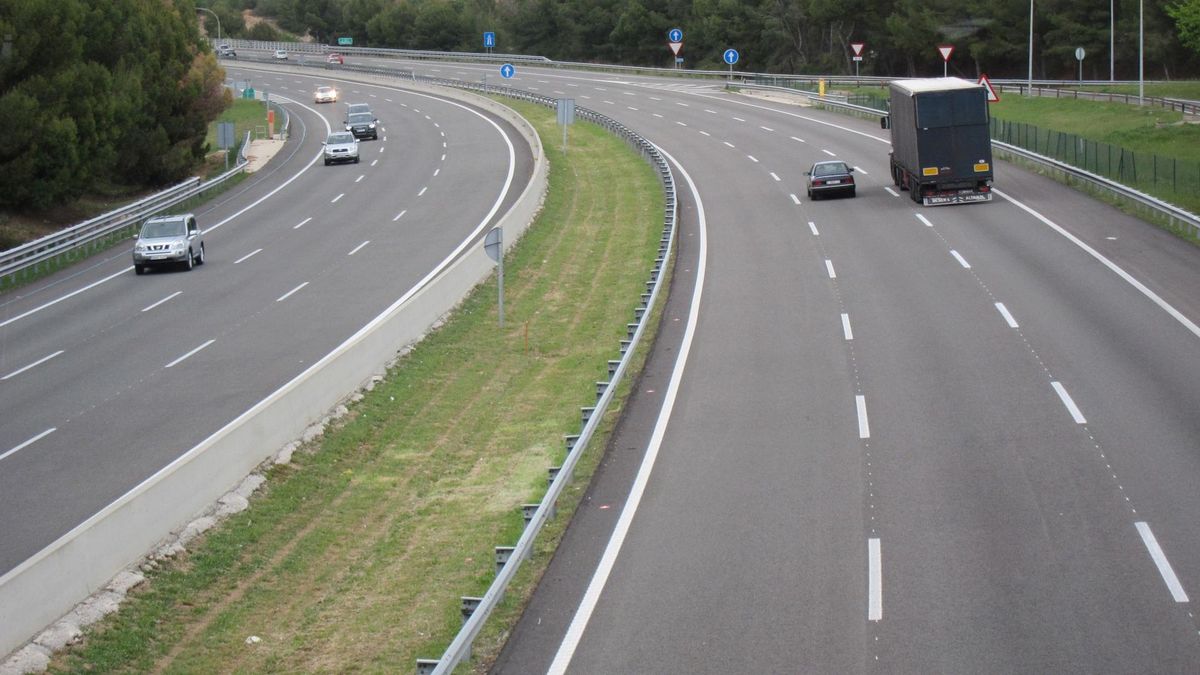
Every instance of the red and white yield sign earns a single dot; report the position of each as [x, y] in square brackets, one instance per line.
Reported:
[946, 51]
[857, 47]
[675, 47]
[992, 97]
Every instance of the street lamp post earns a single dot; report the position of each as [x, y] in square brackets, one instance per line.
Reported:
[1030, 91]
[205, 9]
[1141, 51]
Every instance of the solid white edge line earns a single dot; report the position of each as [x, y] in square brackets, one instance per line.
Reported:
[156, 304]
[587, 606]
[30, 442]
[961, 260]
[189, 354]
[1076, 414]
[1012, 323]
[829, 268]
[1160, 560]
[1187, 323]
[874, 580]
[287, 295]
[846, 327]
[247, 256]
[923, 219]
[40, 361]
[359, 247]
[864, 427]
[813, 226]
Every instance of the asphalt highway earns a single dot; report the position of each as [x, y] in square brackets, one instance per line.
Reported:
[890, 438]
[105, 376]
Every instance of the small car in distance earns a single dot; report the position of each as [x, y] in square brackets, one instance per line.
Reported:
[831, 177]
[325, 95]
[341, 146]
[168, 240]
[335, 58]
[363, 125]
[281, 55]
[226, 52]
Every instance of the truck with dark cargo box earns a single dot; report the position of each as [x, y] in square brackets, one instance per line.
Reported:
[941, 145]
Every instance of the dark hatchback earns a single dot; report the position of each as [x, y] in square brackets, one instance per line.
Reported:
[363, 125]
[830, 178]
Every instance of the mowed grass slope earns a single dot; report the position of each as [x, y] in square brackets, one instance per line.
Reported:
[353, 558]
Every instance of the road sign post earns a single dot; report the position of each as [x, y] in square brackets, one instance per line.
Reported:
[493, 245]
[345, 41]
[507, 71]
[945, 51]
[675, 42]
[992, 96]
[1079, 54]
[489, 40]
[858, 50]
[566, 117]
[731, 57]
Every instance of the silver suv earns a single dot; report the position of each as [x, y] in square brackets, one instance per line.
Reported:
[168, 240]
[341, 146]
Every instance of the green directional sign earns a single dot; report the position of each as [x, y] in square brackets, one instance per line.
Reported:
[345, 41]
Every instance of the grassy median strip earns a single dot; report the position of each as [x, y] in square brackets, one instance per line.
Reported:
[354, 556]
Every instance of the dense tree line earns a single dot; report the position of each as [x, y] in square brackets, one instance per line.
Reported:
[101, 91]
[786, 36]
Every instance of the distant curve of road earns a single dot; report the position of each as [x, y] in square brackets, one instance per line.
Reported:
[105, 377]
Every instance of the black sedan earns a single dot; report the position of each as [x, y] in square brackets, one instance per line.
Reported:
[830, 178]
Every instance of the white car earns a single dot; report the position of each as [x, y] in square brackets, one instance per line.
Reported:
[281, 54]
[341, 146]
[325, 95]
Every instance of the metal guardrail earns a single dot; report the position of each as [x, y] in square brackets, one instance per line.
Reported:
[99, 232]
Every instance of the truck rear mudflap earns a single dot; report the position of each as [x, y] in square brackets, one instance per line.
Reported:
[944, 197]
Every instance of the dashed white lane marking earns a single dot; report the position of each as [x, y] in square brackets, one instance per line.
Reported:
[680, 123]
[874, 580]
[559, 91]
[388, 100]
[631, 108]
[752, 158]
[30, 442]
[436, 172]
[729, 144]
[766, 128]
[829, 269]
[359, 179]
[795, 199]
[657, 115]
[169, 297]
[381, 148]
[739, 119]
[575, 85]
[301, 223]
[374, 162]
[776, 177]
[861, 170]
[44, 359]
[422, 192]
[584, 96]
[1069, 403]
[961, 260]
[335, 199]
[608, 102]
[189, 354]
[359, 247]
[682, 104]
[399, 215]
[287, 295]
[1160, 560]
[846, 327]
[892, 192]
[714, 112]
[247, 256]
[601, 89]
[813, 226]
[798, 140]
[705, 133]
[925, 220]
[655, 98]
[1012, 323]
[443, 157]
[828, 152]
[629, 93]
[374, 96]
[864, 427]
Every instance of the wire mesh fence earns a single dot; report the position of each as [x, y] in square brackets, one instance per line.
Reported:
[1168, 178]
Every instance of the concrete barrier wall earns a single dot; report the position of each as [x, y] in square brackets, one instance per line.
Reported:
[81, 562]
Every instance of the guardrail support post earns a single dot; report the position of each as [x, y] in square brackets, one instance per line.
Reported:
[624, 346]
[469, 604]
[551, 474]
[612, 370]
[527, 511]
[586, 414]
[630, 329]
[503, 553]
[426, 666]
[600, 387]
[570, 440]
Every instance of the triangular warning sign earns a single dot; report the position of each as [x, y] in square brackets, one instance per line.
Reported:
[946, 51]
[992, 97]
[857, 47]
[675, 47]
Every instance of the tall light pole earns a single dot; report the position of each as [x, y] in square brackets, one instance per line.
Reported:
[1030, 91]
[1141, 51]
[205, 9]
[1112, 69]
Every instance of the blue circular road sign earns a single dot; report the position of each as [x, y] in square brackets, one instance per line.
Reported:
[675, 35]
[507, 70]
[731, 56]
